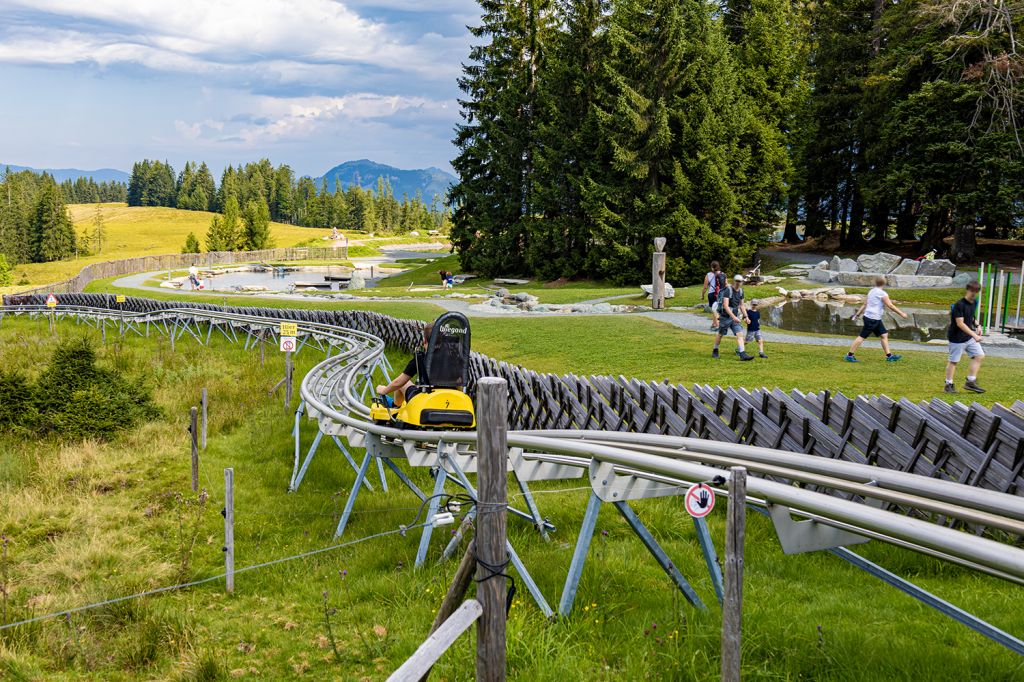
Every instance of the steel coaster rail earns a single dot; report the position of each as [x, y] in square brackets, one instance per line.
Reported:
[329, 392]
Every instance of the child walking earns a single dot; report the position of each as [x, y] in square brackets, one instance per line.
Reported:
[754, 328]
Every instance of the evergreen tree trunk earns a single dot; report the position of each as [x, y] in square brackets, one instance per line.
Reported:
[965, 244]
[880, 220]
[790, 235]
[907, 219]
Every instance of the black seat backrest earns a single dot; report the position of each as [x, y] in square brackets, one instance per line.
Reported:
[447, 357]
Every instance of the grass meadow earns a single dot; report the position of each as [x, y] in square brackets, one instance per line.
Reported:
[90, 521]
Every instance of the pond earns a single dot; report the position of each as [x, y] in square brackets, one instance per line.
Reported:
[277, 279]
[833, 317]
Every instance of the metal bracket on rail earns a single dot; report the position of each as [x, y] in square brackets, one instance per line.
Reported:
[797, 537]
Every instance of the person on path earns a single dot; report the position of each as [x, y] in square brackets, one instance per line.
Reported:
[874, 305]
[193, 276]
[733, 309]
[714, 283]
[754, 329]
[964, 334]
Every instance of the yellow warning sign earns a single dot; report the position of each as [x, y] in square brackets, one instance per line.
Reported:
[289, 329]
[120, 299]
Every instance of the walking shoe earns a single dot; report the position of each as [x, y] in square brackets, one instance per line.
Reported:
[893, 358]
[973, 387]
[762, 355]
[950, 388]
[744, 356]
[851, 358]
[714, 354]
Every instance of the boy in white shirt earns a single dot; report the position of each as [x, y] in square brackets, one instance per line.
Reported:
[874, 305]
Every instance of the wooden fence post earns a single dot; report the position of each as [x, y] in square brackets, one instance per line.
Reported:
[204, 419]
[229, 528]
[194, 437]
[491, 552]
[732, 604]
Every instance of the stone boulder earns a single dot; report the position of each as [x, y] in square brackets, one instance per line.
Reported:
[963, 278]
[823, 265]
[907, 267]
[793, 272]
[856, 279]
[880, 263]
[502, 293]
[848, 265]
[834, 263]
[917, 281]
[821, 276]
[939, 267]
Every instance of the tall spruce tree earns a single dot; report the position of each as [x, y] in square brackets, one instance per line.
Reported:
[52, 231]
[257, 225]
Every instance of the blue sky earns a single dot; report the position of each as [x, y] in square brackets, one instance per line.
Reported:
[311, 83]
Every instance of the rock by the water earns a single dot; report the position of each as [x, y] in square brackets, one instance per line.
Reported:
[823, 265]
[856, 279]
[881, 263]
[917, 281]
[793, 272]
[603, 308]
[907, 267]
[939, 267]
[502, 293]
[834, 263]
[670, 291]
[963, 278]
[848, 265]
[509, 280]
[821, 276]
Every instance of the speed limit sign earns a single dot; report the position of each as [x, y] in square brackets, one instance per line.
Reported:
[287, 344]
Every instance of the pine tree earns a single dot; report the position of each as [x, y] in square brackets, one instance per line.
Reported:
[99, 231]
[6, 273]
[216, 240]
[53, 233]
[192, 243]
[231, 226]
[206, 191]
[257, 225]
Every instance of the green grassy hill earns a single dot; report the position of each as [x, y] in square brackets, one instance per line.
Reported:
[143, 231]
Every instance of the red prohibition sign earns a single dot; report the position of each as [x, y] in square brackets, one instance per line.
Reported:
[699, 500]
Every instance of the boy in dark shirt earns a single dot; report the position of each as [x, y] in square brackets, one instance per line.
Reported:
[754, 328]
[402, 385]
[964, 334]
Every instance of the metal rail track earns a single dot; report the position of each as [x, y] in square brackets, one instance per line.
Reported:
[797, 491]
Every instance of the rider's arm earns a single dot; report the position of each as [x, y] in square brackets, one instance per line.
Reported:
[396, 383]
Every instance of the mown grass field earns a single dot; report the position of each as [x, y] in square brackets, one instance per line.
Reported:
[89, 521]
[142, 231]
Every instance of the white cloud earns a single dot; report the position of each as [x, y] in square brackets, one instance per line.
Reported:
[289, 39]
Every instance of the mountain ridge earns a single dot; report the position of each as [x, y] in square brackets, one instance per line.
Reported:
[430, 181]
[62, 174]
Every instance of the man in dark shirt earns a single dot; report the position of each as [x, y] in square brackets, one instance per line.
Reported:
[965, 335]
[402, 385]
[733, 310]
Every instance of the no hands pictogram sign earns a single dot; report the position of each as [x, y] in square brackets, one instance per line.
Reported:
[699, 500]
[287, 344]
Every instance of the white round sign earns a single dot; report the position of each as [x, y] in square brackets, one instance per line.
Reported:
[287, 344]
[699, 500]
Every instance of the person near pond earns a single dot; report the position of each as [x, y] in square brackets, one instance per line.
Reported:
[964, 335]
[732, 311]
[872, 309]
[443, 274]
[754, 328]
[714, 284]
[193, 276]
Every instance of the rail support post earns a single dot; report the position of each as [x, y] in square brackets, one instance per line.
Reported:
[203, 436]
[491, 542]
[732, 606]
[193, 437]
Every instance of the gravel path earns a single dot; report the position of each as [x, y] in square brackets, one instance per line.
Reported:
[676, 317]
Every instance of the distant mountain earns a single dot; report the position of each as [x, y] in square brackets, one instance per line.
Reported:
[62, 174]
[430, 181]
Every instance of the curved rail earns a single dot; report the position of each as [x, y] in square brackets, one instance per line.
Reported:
[804, 486]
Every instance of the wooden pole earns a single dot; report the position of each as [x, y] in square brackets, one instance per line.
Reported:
[491, 552]
[263, 345]
[732, 604]
[204, 419]
[229, 528]
[194, 433]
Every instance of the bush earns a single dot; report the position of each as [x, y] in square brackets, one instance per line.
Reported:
[73, 398]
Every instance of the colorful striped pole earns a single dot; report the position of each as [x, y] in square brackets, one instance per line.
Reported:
[1020, 289]
[980, 301]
